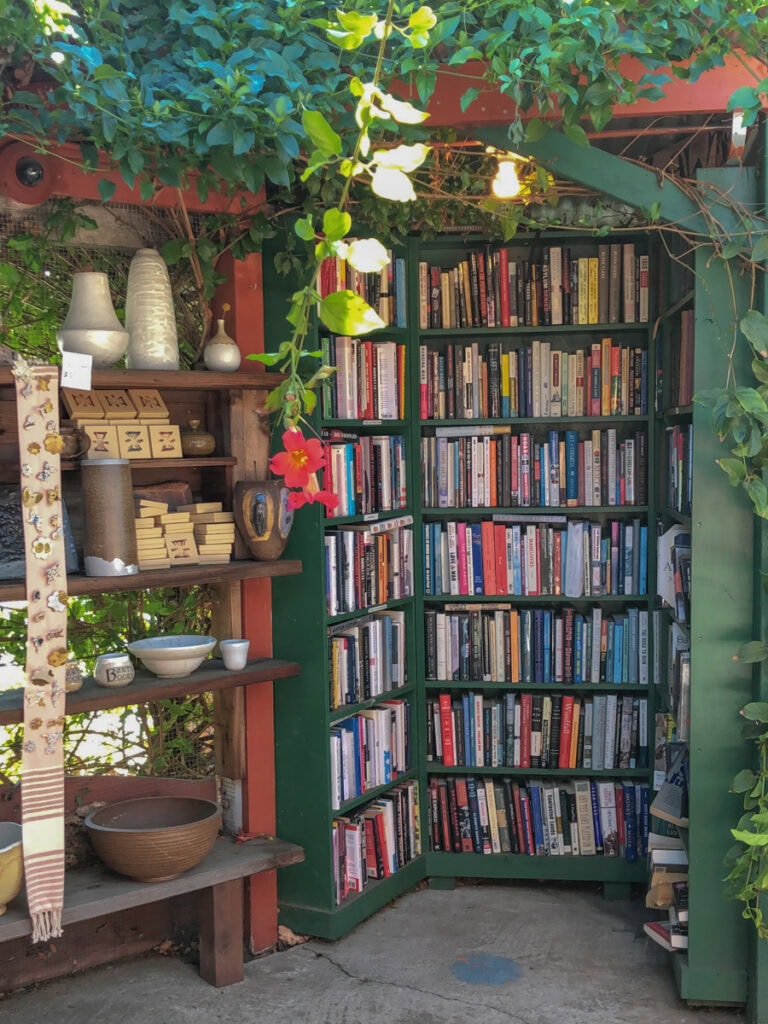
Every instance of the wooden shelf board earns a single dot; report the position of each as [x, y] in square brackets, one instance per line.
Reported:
[211, 462]
[147, 687]
[174, 380]
[182, 576]
[96, 891]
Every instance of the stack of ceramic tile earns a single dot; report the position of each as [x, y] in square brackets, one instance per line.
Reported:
[214, 530]
[164, 538]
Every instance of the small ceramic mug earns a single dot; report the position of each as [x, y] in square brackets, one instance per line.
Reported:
[234, 653]
[113, 670]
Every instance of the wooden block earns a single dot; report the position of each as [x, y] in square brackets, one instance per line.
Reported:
[214, 549]
[104, 441]
[201, 506]
[213, 517]
[213, 559]
[117, 405]
[133, 441]
[165, 440]
[155, 563]
[146, 525]
[227, 537]
[82, 405]
[181, 550]
[171, 518]
[149, 403]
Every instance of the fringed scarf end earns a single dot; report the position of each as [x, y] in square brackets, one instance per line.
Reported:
[46, 925]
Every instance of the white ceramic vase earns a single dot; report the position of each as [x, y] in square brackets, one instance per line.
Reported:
[221, 352]
[149, 314]
[91, 326]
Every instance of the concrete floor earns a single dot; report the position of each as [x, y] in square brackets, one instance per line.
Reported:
[517, 954]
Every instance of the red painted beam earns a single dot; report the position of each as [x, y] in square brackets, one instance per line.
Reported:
[709, 94]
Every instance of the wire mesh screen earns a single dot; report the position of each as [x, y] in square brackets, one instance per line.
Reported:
[41, 247]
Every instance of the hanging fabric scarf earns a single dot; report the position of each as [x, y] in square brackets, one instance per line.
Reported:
[42, 761]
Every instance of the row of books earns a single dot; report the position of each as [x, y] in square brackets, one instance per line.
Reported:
[540, 818]
[601, 732]
[369, 749]
[533, 558]
[368, 472]
[376, 841]
[492, 468]
[499, 644]
[366, 657]
[680, 365]
[368, 564]
[385, 290]
[495, 380]
[679, 485]
[607, 283]
[369, 382]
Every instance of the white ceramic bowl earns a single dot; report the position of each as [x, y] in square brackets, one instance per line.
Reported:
[172, 656]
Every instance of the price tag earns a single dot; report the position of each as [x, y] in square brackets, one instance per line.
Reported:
[658, 780]
[76, 371]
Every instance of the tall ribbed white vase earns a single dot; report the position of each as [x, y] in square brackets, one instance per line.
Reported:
[149, 316]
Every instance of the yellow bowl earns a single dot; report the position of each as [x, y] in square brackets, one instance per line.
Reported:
[11, 862]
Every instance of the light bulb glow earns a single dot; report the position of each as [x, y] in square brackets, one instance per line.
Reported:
[506, 184]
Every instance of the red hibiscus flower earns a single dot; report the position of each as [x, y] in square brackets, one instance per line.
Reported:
[311, 493]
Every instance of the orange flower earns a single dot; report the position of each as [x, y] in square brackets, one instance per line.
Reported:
[302, 456]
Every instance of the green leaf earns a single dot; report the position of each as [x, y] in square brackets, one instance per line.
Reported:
[468, 98]
[750, 838]
[402, 111]
[744, 781]
[336, 225]
[304, 229]
[536, 129]
[756, 711]
[106, 189]
[754, 327]
[576, 134]
[735, 469]
[760, 249]
[344, 312]
[755, 650]
[760, 370]
[320, 132]
[106, 71]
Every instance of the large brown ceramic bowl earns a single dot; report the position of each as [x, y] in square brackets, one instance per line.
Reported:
[154, 838]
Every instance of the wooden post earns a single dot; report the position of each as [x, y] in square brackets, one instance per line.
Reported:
[221, 938]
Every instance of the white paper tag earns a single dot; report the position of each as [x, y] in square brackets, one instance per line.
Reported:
[658, 780]
[76, 371]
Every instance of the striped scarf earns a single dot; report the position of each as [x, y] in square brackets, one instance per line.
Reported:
[42, 760]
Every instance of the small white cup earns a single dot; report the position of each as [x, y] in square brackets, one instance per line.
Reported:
[234, 653]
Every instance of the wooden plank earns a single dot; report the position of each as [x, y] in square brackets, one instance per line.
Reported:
[220, 910]
[177, 380]
[228, 704]
[183, 576]
[93, 892]
[146, 686]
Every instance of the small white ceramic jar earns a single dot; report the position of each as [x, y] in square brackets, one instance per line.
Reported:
[113, 670]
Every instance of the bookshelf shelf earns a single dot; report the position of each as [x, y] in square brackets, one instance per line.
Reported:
[434, 768]
[351, 709]
[533, 511]
[348, 806]
[402, 602]
[555, 599]
[533, 421]
[515, 865]
[572, 688]
[559, 329]
[676, 517]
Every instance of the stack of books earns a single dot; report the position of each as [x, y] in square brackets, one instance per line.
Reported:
[213, 530]
[668, 890]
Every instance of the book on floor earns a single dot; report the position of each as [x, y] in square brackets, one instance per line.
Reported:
[669, 936]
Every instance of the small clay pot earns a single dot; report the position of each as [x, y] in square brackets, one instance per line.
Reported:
[76, 443]
[197, 442]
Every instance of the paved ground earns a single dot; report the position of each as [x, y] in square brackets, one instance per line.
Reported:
[492, 954]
